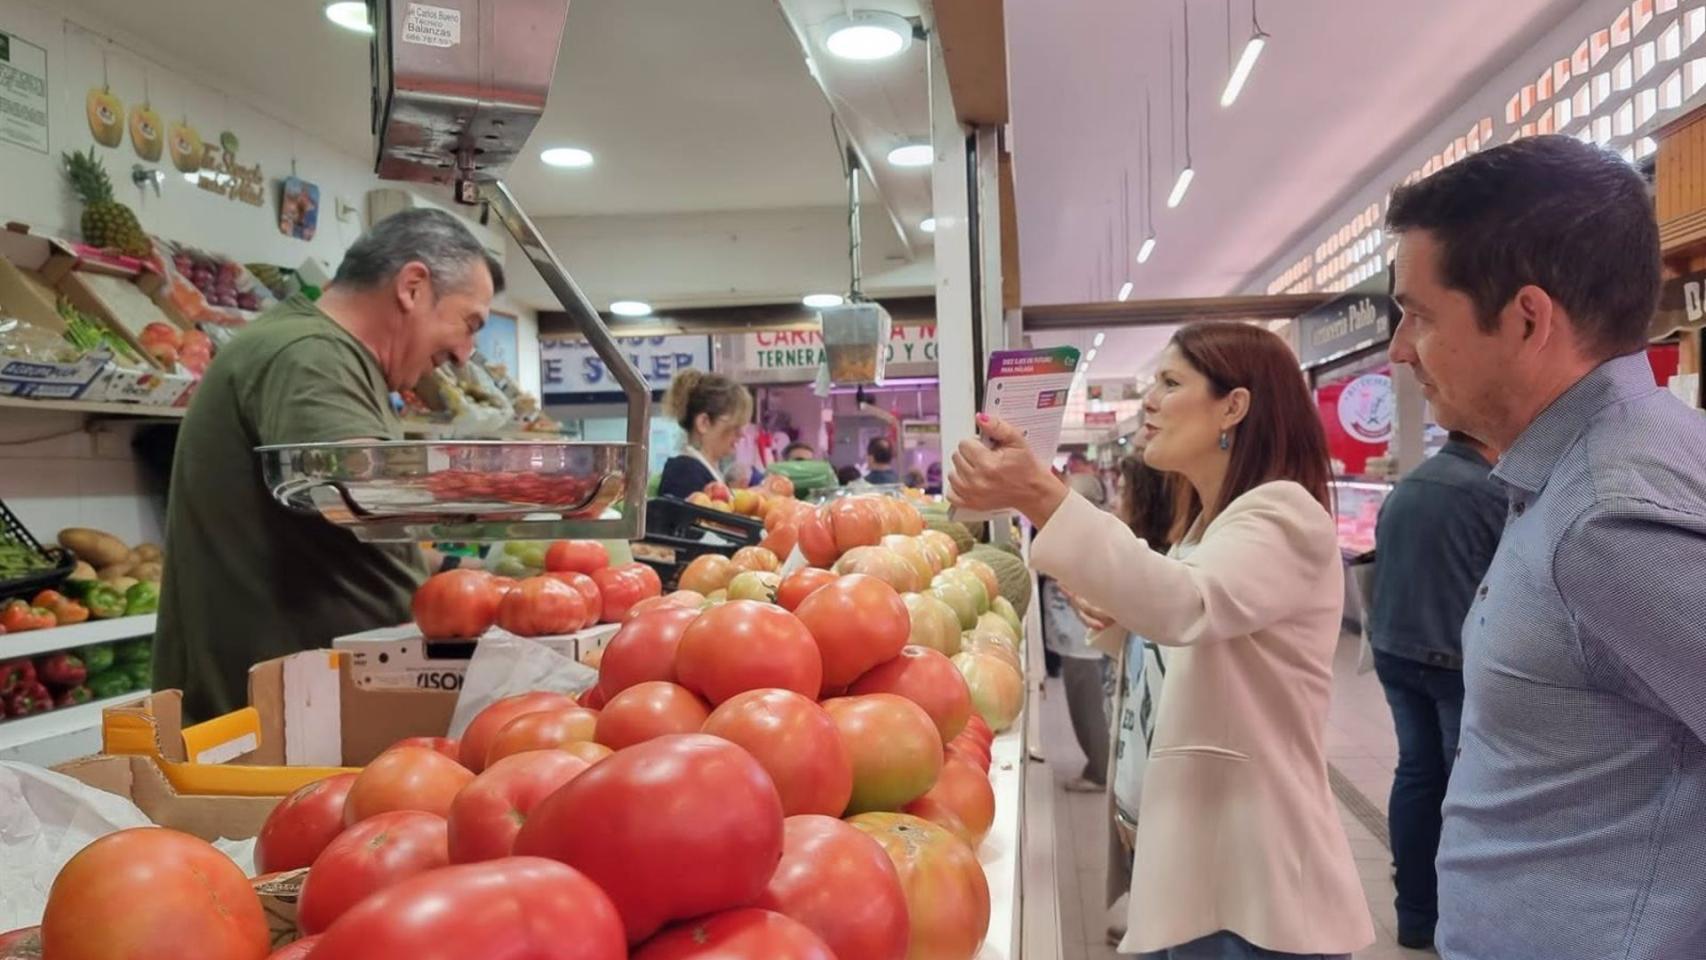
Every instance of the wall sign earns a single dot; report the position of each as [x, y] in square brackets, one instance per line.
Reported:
[23, 93]
[1345, 325]
[1366, 408]
[571, 367]
[793, 356]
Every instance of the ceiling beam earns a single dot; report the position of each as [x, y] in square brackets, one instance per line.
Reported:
[1139, 313]
[974, 44]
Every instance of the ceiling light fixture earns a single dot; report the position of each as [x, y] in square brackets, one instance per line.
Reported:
[868, 35]
[631, 308]
[1090, 356]
[912, 155]
[1246, 62]
[928, 225]
[1125, 294]
[820, 301]
[349, 14]
[1186, 174]
[1148, 248]
[1099, 338]
[573, 158]
[1180, 186]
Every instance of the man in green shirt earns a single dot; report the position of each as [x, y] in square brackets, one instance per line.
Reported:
[247, 579]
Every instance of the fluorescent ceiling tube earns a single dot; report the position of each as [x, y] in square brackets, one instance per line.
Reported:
[1144, 251]
[1180, 186]
[1241, 72]
[1125, 294]
[1100, 337]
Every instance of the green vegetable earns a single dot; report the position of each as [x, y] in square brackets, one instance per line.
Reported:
[18, 559]
[134, 651]
[141, 675]
[98, 658]
[104, 602]
[141, 598]
[109, 683]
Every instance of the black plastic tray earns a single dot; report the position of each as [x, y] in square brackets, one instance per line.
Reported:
[64, 562]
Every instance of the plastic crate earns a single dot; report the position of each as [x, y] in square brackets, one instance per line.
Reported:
[675, 531]
[64, 562]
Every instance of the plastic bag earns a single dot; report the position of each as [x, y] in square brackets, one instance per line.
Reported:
[505, 665]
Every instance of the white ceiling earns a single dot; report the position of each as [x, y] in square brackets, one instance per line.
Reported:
[1342, 86]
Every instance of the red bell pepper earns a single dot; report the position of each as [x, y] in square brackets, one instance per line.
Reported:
[29, 698]
[14, 674]
[61, 669]
[74, 696]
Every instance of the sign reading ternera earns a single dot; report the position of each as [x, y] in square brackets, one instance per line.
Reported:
[1342, 326]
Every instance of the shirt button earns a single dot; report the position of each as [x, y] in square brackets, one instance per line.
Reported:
[1482, 593]
[1519, 509]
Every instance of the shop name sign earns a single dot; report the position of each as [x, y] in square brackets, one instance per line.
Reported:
[800, 352]
[571, 366]
[1343, 326]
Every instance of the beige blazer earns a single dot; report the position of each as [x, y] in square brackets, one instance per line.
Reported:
[1237, 828]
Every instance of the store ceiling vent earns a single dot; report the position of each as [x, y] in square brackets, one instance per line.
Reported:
[384, 202]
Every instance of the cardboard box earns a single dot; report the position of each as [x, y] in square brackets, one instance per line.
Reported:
[312, 711]
[51, 381]
[149, 388]
[399, 658]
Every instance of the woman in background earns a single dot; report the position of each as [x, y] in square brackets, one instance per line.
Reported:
[1240, 851]
[711, 410]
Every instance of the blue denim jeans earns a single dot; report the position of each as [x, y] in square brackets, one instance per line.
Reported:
[1427, 711]
[1227, 945]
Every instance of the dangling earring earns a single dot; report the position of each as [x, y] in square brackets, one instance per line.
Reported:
[1225, 441]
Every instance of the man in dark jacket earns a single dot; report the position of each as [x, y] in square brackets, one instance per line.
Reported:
[1436, 536]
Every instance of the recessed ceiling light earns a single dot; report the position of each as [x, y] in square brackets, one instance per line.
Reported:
[818, 301]
[928, 225]
[349, 14]
[571, 157]
[912, 155]
[868, 35]
[631, 308]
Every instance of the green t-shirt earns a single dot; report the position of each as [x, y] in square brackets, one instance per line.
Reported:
[247, 579]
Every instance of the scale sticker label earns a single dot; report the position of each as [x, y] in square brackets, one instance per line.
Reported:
[432, 26]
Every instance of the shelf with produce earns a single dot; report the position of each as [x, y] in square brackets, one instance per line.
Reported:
[58, 735]
[32, 642]
[94, 409]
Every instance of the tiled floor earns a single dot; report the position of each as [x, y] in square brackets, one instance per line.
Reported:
[1359, 744]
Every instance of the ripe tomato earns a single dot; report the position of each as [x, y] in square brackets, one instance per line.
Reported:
[151, 892]
[839, 526]
[858, 622]
[777, 484]
[302, 824]
[644, 649]
[707, 573]
[489, 812]
[445, 745]
[962, 788]
[588, 590]
[576, 556]
[912, 551]
[885, 565]
[648, 710]
[997, 690]
[934, 623]
[542, 730]
[896, 751]
[742, 934]
[747, 645]
[714, 849]
[756, 559]
[947, 895]
[800, 584]
[542, 607]
[979, 727]
[366, 858]
[520, 907]
[968, 749]
[23, 944]
[295, 950]
[405, 778]
[589, 750]
[622, 587]
[593, 699]
[678, 598]
[781, 539]
[839, 882]
[456, 604]
[477, 739]
[796, 742]
[928, 679]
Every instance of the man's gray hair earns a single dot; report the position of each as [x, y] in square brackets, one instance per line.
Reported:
[432, 237]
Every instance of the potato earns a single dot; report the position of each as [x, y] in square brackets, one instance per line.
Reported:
[99, 548]
[150, 552]
[150, 570]
[83, 571]
[114, 571]
[122, 583]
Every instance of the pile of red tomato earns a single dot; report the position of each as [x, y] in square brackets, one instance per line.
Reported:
[579, 588]
[787, 780]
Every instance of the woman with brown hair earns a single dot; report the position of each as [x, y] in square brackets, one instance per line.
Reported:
[1240, 851]
[711, 410]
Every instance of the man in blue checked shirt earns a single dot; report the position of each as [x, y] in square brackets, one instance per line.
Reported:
[1575, 821]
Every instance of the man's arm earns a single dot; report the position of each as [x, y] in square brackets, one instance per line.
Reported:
[316, 391]
[1630, 575]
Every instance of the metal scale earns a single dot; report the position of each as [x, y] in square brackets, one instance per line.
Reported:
[458, 86]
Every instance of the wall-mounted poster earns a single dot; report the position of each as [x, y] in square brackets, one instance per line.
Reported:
[23, 93]
[298, 208]
[497, 342]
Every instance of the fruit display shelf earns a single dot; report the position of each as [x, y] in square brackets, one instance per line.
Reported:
[93, 409]
[31, 642]
[58, 735]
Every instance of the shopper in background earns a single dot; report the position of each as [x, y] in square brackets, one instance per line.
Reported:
[799, 450]
[879, 462]
[1436, 535]
[711, 409]
[247, 579]
[1082, 478]
[848, 475]
[1528, 274]
[1082, 666]
[1240, 849]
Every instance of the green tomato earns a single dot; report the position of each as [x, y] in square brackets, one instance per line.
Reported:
[958, 598]
[754, 585]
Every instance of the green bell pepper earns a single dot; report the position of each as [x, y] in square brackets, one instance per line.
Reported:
[141, 598]
[104, 602]
[134, 651]
[109, 683]
[141, 675]
[98, 658]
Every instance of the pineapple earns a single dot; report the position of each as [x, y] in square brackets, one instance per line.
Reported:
[107, 223]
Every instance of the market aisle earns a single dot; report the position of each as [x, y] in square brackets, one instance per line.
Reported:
[1361, 750]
